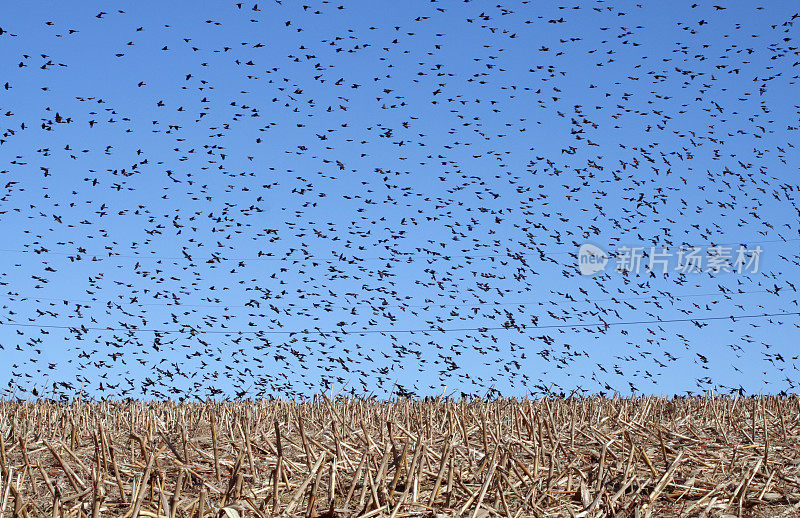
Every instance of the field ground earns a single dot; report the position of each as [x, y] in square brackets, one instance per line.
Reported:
[710, 456]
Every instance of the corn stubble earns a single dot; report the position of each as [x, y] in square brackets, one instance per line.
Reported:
[345, 457]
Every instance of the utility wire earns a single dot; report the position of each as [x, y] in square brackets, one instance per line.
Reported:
[466, 304]
[191, 331]
[401, 256]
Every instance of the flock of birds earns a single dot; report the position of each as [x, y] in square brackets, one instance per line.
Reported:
[246, 199]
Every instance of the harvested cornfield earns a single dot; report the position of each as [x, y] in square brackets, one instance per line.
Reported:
[346, 457]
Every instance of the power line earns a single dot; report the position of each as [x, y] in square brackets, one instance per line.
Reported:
[429, 256]
[466, 304]
[192, 331]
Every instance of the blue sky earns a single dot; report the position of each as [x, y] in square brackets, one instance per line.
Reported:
[229, 184]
